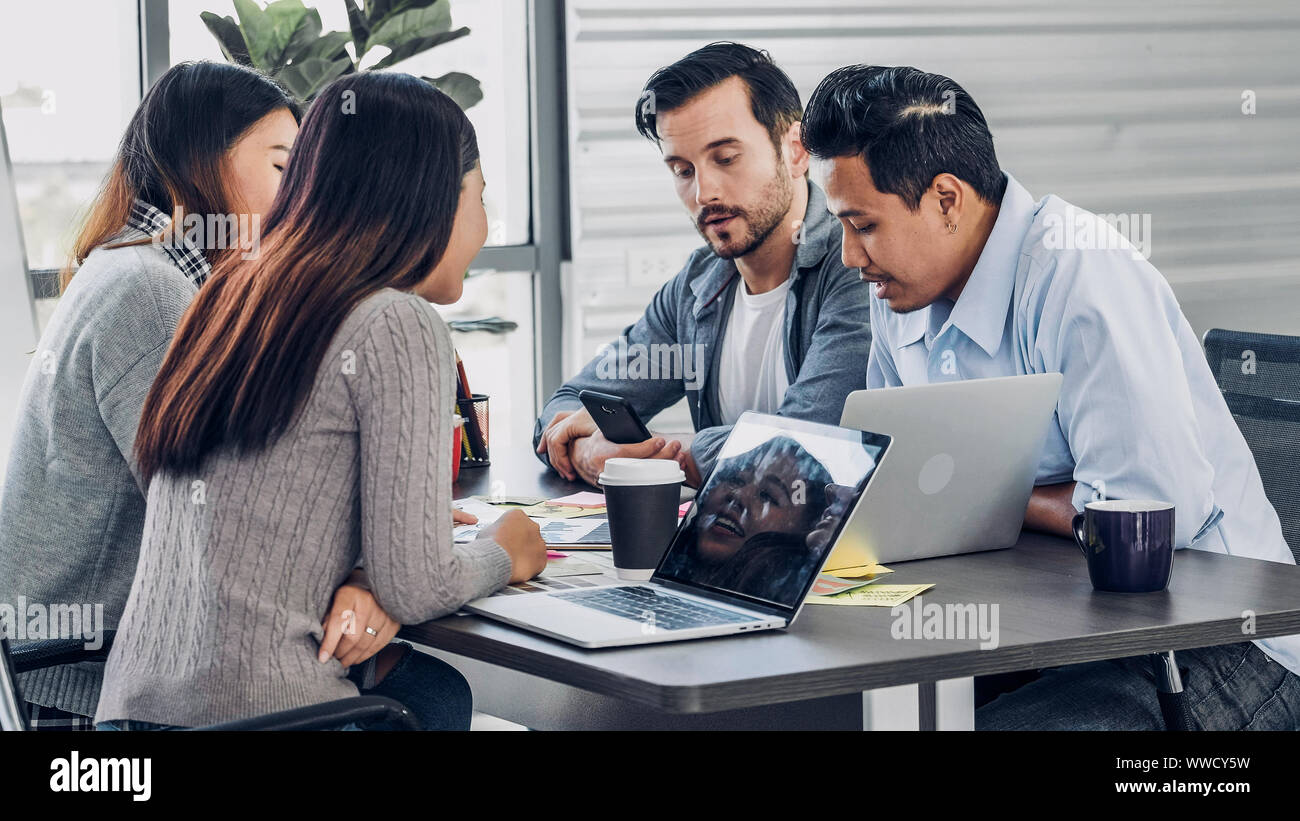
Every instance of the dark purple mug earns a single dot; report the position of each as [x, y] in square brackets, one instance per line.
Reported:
[1129, 544]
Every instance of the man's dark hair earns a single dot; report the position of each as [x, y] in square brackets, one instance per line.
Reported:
[772, 97]
[908, 126]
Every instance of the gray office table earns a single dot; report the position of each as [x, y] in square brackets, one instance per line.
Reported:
[839, 666]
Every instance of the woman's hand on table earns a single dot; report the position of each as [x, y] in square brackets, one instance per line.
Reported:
[521, 539]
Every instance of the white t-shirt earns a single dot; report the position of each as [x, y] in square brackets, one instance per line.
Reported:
[751, 367]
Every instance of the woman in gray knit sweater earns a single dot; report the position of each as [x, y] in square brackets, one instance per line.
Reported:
[207, 139]
[302, 423]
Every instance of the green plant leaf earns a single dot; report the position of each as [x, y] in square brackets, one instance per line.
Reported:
[306, 78]
[377, 10]
[461, 87]
[268, 31]
[257, 30]
[408, 25]
[331, 46]
[286, 17]
[360, 26]
[228, 36]
[413, 47]
[307, 34]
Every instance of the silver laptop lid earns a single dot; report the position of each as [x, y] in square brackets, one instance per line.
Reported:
[960, 473]
[765, 520]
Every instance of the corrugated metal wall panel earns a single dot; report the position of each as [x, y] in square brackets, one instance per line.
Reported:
[1117, 107]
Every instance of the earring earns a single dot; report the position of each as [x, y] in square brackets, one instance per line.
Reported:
[952, 228]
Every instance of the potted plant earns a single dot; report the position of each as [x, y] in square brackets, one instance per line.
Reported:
[284, 41]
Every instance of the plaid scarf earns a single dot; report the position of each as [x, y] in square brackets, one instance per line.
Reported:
[151, 222]
[48, 718]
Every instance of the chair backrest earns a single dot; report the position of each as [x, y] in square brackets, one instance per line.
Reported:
[13, 716]
[1259, 375]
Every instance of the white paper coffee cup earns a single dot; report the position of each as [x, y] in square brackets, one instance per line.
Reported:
[641, 498]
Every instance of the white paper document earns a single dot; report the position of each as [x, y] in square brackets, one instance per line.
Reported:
[554, 531]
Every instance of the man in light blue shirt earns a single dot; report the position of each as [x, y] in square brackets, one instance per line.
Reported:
[972, 278]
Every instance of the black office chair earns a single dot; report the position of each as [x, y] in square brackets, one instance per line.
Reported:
[1259, 375]
[327, 716]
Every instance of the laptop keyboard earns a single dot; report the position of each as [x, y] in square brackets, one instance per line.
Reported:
[643, 604]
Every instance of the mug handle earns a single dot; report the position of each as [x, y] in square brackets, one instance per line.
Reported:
[1077, 526]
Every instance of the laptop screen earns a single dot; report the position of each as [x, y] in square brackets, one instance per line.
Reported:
[768, 515]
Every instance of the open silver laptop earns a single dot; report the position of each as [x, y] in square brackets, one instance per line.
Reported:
[961, 467]
[745, 555]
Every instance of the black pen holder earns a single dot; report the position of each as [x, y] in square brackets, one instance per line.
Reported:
[474, 431]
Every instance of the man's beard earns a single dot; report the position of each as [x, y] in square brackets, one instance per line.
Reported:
[774, 203]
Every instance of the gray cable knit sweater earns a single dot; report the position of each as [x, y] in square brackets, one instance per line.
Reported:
[73, 509]
[239, 560]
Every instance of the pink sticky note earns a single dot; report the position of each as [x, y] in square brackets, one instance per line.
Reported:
[584, 498]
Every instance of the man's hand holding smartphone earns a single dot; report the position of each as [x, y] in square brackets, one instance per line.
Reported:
[577, 449]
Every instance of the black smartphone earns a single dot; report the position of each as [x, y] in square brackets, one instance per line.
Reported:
[615, 417]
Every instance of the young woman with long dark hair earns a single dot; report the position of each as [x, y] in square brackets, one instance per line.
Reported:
[302, 423]
[208, 139]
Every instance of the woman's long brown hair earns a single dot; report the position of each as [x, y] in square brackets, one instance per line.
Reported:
[175, 147]
[367, 201]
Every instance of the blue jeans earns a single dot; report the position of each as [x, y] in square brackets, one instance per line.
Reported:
[434, 691]
[1230, 687]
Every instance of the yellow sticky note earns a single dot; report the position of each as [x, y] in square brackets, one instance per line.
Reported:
[874, 595]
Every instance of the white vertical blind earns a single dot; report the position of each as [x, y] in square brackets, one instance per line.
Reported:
[1120, 108]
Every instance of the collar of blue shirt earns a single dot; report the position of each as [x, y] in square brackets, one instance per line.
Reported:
[981, 311]
[813, 237]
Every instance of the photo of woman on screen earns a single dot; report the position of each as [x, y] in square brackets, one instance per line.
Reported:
[752, 522]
